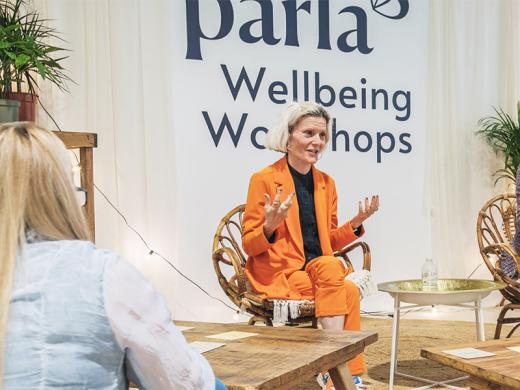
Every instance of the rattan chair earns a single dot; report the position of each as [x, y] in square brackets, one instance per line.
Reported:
[495, 232]
[229, 261]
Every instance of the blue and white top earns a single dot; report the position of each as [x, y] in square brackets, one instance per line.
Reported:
[82, 318]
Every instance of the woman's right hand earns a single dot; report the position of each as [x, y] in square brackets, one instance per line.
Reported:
[275, 212]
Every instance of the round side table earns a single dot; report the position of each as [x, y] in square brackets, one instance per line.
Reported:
[451, 292]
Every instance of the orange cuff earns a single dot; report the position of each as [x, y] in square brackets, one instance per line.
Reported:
[256, 242]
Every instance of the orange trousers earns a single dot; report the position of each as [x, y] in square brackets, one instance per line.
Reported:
[324, 281]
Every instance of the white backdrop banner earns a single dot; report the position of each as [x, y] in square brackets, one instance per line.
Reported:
[235, 66]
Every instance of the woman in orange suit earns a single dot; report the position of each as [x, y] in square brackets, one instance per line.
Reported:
[290, 225]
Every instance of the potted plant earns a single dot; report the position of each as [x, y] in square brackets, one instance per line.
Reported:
[26, 52]
[503, 134]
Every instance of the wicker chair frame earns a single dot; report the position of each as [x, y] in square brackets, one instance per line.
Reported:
[229, 262]
[495, 232]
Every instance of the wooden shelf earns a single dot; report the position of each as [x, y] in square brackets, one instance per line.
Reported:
[85, 142]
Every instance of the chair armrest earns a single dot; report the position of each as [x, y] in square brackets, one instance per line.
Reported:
[367, 259]
[497, 250]
[233, 260]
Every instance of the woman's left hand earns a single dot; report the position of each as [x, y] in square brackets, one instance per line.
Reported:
[365, 212]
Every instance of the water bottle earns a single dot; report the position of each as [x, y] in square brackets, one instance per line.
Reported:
[429, 275]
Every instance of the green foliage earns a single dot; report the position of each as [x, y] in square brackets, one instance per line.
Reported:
[503, 135]
[25, 49]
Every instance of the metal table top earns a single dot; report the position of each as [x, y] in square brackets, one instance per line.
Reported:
[447, 292]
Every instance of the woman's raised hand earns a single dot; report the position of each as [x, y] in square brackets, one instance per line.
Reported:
[365, 211]
[275, 212]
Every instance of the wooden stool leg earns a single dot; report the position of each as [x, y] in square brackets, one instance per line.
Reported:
[255, 319]
[341, 378]
[475, 383]
[315, 323]
[498, 330]
[500, 321]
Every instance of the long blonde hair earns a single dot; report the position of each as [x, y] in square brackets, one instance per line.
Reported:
[36, 193]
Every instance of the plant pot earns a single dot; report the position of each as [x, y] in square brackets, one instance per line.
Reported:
[9, 110]
[27, 105]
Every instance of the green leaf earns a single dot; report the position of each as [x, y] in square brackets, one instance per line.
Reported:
[50, 49]
[22, 59]
[11, 55]
[503, 135]
[518, 110]
[41, 69]
[28, 46]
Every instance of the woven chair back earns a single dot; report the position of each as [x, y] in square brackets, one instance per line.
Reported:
[495, 231]
[228, 258]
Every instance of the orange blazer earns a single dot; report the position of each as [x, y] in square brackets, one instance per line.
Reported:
[269, 264]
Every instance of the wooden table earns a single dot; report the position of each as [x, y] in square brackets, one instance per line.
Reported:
[501, 371]
[279, 357]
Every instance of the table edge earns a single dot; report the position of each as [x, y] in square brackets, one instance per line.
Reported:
[456, 363]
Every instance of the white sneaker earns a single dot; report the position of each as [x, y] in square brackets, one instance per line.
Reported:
[322, 380]
[359, 382]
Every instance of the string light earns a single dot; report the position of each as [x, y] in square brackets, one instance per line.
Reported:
[151, 251]
[236, 316]
[239, 313]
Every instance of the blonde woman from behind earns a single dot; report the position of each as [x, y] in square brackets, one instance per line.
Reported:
[74, 316]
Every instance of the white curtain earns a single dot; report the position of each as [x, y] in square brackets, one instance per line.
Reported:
[474, 51]
[120, 61]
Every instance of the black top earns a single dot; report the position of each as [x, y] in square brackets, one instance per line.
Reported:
[304, 186]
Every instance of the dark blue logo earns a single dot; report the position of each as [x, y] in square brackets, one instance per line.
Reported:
[353, 38]
[391, 9]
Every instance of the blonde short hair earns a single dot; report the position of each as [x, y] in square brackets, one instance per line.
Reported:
[278, 135]
[37, 193]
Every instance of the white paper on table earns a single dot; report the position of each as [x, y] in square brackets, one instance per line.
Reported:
[232, 335]
[183, 328]
[515, 348]
[469, 353]
[204, 346]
